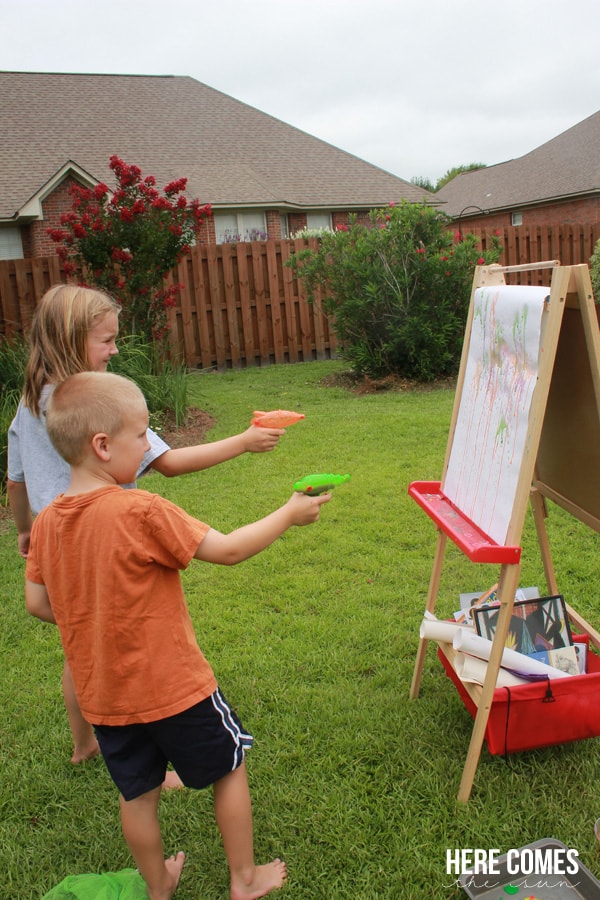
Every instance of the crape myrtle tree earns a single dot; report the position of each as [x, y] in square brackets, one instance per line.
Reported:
[127, 240]
[396, 290]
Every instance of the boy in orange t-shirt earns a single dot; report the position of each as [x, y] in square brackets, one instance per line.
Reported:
[104, 566]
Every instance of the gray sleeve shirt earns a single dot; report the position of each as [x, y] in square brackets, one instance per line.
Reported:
[33, 459]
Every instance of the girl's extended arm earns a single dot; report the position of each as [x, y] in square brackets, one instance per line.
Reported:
[247, 541]
[184, 460]
[37, 603]
[19, 505]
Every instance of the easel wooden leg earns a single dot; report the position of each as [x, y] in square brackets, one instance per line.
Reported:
[434, 584]
[507, 588]
[540, 513]
[538, 505]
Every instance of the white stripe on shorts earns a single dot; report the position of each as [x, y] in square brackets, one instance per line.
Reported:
[242, 740]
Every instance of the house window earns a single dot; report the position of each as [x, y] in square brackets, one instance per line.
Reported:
[319, 221]
[11, 246]
[285, 226]
[234, 227]
[516, 219]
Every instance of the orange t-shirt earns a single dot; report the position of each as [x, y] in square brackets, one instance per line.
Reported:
[110, 561]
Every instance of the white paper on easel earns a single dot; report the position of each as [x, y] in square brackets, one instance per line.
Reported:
[473, 669]
[492, 422]
[519, 663]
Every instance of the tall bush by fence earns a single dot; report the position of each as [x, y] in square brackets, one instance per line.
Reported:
[239, 305]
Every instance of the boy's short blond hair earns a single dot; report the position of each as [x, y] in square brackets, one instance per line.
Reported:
[86, 404]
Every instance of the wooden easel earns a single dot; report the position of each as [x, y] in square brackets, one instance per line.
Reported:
[560, 462]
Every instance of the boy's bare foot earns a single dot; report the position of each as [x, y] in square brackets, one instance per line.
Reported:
[84, 752]
[264, 880]
[174, 866]
[172, 781]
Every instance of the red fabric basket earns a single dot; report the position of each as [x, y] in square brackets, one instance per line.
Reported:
[542, 713]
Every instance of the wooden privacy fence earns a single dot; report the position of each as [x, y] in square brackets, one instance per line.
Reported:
[570, 244]
[239, 305]
[22, 283]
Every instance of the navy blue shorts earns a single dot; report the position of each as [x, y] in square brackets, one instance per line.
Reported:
[202, 743]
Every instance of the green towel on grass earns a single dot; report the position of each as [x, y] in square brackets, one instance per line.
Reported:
[125, 885]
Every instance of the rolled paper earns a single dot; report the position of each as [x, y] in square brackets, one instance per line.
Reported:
[435, 629]
[471, 668]
[518, 663]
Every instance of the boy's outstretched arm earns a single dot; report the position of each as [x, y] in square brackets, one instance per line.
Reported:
[37, 602]
[184, 460]
[247, 541]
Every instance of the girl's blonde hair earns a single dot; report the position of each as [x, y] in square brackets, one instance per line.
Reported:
[58, 338]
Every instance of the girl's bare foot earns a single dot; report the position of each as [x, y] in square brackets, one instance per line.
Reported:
[264, 880]
[85, 751]
[172, 781]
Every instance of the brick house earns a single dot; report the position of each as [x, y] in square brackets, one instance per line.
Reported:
[262, 176]
[559, 182]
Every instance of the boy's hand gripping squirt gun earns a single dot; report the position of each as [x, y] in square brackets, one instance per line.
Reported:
[319, 484]
[276, 418]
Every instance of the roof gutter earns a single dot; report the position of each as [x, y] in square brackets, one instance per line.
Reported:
[546, 201]
[291, 206]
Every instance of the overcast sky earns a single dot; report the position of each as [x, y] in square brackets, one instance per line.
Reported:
[414, 87]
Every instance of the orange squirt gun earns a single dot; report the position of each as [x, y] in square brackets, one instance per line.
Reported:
[276, 418]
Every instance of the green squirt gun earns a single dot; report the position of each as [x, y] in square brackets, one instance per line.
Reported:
[319, 484]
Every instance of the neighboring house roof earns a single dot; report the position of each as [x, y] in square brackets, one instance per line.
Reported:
[566, 167]
[171, 127]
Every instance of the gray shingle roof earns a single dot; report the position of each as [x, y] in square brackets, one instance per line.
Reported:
[566, 166]
[171, 127]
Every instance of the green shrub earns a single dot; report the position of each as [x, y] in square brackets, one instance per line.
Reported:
[595, 271]
[8, 408]
[397, 290]
[13, 357]
[163, 383]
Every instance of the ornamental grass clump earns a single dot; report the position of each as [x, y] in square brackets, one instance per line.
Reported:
[397, 290]
[126, 241]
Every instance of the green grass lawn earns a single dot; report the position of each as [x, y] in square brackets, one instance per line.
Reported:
[314, 643]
